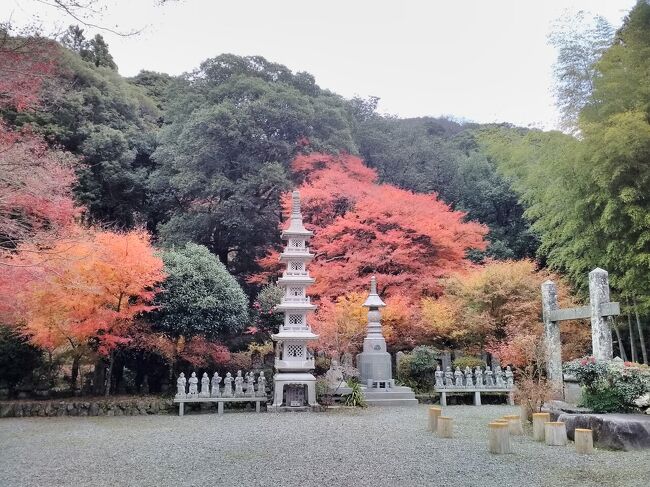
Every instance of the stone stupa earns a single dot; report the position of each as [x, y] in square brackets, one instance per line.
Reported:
[374, 363]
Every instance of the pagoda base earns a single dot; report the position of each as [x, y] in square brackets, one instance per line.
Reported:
[294, 390]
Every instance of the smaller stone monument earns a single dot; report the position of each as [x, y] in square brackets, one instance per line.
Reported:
[449, 377]
[334, 377]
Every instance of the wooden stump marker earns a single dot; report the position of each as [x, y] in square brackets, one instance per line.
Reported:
[555, 433]
[584, 439]
[445, 427]
[514, 421]
[539, 419]
[434, 414]
[499, 438]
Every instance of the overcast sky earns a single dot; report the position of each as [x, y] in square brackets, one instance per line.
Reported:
[481, 60]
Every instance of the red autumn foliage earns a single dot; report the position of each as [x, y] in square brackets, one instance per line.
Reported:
[36, 203]
[25, 63]
[362, 228]
[87, 292]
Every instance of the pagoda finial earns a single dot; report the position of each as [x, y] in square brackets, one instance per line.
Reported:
[373, 301]
[295, 202]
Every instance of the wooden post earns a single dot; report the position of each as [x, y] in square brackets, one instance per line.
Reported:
[514, 422]
[555, 433]
[584, 441]
[499, 438]
[445, 427]
[434, 413]
[539, 419]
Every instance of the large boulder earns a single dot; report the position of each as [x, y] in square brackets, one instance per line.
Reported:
[617, 431]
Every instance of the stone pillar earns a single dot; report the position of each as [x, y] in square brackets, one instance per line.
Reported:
[552, 336]
[601, 334]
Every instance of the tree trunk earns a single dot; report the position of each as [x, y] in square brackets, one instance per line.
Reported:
[74, 374]
[621, 349]
[632, 344]
[109, 374]
[644, 352]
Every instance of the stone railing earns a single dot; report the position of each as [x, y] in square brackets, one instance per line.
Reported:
[474, 381]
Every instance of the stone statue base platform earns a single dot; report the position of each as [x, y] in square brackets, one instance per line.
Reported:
[389, 396]
[296, 409]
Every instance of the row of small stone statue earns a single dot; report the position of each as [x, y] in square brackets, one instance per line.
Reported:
[477, 380]
[244, 386]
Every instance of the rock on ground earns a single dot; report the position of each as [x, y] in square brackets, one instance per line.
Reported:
[373, 447]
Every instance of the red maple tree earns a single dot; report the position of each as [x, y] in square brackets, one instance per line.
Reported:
[363, 228]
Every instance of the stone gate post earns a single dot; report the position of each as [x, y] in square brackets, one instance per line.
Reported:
[601, 335]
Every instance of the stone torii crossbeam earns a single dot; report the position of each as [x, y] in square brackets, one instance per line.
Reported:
[598, 310]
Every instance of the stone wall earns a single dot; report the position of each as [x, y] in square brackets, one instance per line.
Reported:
[92, 406]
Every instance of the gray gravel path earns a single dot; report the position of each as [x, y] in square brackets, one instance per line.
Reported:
[372, 447]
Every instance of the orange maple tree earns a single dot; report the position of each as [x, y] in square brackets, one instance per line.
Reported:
[84, 295]
[362, 228]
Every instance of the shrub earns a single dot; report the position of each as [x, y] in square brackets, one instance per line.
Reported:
[614, 386]
[417, 368]
[471, 362]
[355, 398]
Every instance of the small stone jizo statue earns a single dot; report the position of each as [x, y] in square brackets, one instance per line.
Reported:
[194, 391]
[449, 377]
[205, 385]
[227, 385]
[250, 385]
[239, 384]
[180, 386]
[498, 375]
[216, 380]
[489, 380]
[478, 374]
[509, 377]
[261, 385]
[469, 382]
[439, 374]
[458, 375]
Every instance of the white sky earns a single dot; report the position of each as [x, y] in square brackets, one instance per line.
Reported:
[482, 60]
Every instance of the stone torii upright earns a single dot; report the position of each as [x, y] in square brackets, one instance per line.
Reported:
[598, 310]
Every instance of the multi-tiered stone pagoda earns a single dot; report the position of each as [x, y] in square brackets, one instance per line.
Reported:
[295, 386]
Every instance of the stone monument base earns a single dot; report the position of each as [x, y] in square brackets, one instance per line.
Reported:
[289, 390]
[391, 396]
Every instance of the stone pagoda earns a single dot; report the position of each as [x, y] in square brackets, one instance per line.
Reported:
[374, 363]
[294, 385]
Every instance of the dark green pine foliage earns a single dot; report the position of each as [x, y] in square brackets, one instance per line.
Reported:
[232, 129]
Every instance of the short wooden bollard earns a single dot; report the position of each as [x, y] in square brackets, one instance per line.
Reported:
[499, 438]
[434, 414]
[445, 427]
[539, 419]
[516, 428]
[555, 433]
[584, 440]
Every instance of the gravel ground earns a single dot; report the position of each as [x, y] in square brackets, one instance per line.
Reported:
[372, 447]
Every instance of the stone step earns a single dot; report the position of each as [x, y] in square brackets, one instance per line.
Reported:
[389, 395]
[392, 402]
